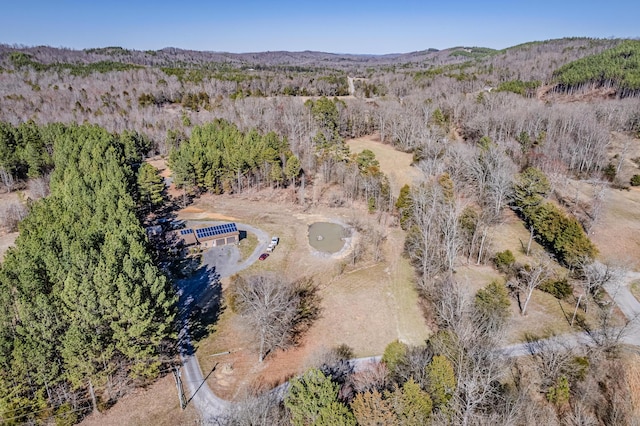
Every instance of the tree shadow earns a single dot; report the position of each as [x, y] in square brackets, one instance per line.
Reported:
[200, 306]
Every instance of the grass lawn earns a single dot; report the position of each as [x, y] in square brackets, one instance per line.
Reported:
[247, 245]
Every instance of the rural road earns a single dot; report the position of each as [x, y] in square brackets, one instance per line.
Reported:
[630, 334]
[221, 264]
[218, 263]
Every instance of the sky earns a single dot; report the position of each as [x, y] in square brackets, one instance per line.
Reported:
[366, 27]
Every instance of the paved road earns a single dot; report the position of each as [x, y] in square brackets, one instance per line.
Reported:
[620, 294]
[629, 334]
[197, 391]
[203, 288]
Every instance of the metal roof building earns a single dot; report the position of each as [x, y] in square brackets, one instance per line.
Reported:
[218, 235]
[210, 236]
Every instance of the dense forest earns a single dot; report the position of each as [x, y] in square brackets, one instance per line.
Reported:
[86, 312]
[84, 309]
[618, 68]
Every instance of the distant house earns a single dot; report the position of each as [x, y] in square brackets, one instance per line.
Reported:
[210, 236]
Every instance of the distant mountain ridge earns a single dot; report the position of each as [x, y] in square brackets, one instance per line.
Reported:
[171, 56]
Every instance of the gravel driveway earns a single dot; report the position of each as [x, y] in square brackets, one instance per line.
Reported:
[217, 263]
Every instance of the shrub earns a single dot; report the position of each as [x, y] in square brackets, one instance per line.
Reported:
[560, 289]
[394, 353]
[562, 234]
[504, 260]
[635, 180]
[492, 302]
[609, 172]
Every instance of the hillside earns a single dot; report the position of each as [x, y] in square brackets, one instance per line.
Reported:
[174, 57]
[618, 68]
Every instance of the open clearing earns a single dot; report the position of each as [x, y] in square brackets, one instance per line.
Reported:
[365, 306]
[395, 164]
[617, 234]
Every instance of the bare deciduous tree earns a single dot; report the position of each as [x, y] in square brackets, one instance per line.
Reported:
[529, 278]
[595, 275]
[11, 214]
[276, 310]
[257, 410]
[7, 179]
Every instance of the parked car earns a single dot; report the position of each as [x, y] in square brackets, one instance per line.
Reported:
[263, 256]
[275, 241]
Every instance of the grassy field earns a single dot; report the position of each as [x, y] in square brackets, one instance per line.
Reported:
[365, 306]
[395, 164]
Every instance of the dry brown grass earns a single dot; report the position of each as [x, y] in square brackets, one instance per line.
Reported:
[634, 288]
[512, 235]
[247, 245]
[156, 405]
[395, 164]
[365, 307]
[617, 235]
[633, 380]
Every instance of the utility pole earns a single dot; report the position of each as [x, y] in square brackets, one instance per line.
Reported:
[178, 377]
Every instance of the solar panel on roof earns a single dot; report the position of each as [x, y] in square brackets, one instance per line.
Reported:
[211, 231]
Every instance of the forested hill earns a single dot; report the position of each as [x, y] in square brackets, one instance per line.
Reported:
[163, 94]
[46, 57]
[618, 68]
[174, 57]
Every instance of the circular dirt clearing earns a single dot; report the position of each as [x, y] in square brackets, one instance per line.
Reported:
[327, 237]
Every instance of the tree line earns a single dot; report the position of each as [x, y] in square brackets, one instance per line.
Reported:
[84, 312]
[218, 157]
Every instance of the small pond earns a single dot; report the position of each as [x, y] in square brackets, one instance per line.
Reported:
[327, 237]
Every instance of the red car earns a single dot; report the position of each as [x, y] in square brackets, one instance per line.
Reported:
[263, 256]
